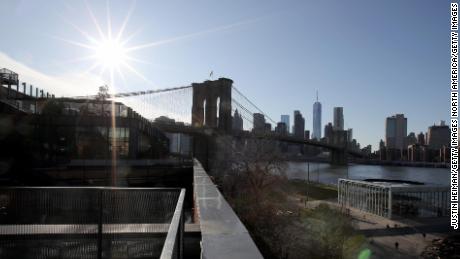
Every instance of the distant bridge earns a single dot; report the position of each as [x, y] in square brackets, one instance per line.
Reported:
[336, 150]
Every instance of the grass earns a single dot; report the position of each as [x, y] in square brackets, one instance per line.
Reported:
[331, 234]
[314, 191]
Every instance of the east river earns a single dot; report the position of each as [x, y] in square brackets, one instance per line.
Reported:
[328, 174]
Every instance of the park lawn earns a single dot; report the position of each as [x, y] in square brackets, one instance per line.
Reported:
[314, 191]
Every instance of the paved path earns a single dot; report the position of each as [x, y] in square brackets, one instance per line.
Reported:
[383, 233]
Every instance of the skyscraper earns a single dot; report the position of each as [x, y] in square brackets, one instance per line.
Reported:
[285, 119]
[299, 125]
[259, 123]
[316, 119]
[381, 145]
[438, 136]
[268, 127]
[307, 135]
[396, 132]
[350, 135]
[328, 129]
[421, 138]
[338, 118]
[411, 139]
[281, 128]
[237, 121]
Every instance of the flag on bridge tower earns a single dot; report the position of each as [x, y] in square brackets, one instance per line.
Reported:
[211, 74]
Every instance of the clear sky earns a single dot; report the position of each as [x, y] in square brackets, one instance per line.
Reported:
[374, 58]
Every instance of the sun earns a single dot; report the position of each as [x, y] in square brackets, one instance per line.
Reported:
[108, 51]
[110, 54]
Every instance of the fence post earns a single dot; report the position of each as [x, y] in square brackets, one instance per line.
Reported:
[181, 234]
[99, 226]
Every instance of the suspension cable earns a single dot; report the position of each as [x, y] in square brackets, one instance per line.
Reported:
[238, 91]
[129, 94]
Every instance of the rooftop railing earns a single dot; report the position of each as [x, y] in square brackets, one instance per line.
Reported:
[6, 74]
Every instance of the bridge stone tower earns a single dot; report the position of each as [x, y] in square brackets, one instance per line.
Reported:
[207, 98]
[339, 138]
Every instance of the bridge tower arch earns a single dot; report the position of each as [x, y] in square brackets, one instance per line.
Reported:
[213, 93]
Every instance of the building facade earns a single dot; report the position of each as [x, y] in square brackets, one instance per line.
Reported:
[338, 118]
[259, 123]
[316, 120]
[350, 135]
[416, 153]
[237, 123]
[396, 132]
[339, 137]
[438, 136]
[286, 120]
[268, 127]
[411, 139]
[421, 138]
[328, 130]
[281, 128]
[307, 135]
[299, 125]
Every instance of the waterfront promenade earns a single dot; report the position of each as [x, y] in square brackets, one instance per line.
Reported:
[383, 233]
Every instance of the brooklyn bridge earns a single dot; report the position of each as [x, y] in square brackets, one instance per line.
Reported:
[212, 104]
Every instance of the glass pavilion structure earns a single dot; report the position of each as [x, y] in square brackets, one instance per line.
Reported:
[393, 198]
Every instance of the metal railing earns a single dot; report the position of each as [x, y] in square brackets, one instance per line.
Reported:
[8, 74]
[91, 222]
[173, 245]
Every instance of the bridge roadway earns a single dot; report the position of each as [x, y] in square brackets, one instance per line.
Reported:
[206, 131]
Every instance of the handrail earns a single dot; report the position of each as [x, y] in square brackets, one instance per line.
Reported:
[175, 228]
[213, 210]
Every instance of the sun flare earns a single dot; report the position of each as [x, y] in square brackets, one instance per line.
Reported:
[110, 54]
[108, 50]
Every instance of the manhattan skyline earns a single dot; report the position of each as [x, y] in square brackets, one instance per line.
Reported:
[373, 59]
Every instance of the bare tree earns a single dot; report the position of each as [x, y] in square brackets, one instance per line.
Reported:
[250, 172]
[102, 96]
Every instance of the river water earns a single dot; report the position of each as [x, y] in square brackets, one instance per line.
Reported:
[328, 174]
